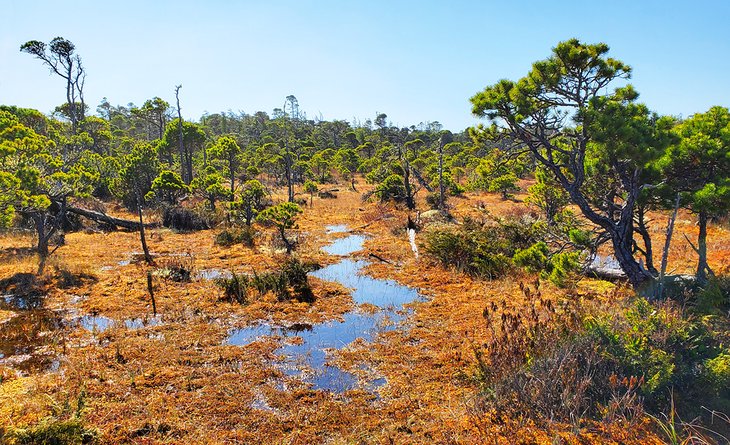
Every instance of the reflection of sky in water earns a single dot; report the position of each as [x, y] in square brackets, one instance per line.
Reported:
[27, 339]
[387, 295]
[337, 228]
[212, 274]
[100, 323]
[345, 246]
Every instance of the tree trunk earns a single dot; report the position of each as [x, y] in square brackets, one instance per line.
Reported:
[441, 175]
[183, 170]
[410, 203]
[288, 245]
[147, 256]
[665, 252]
[625, 258]
[702, 266]
[289, 184]
[644, 232]
[40, 226]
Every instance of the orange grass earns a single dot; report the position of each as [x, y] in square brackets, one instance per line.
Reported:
[179, 383]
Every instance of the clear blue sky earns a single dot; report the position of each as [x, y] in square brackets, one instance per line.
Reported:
[416, 61]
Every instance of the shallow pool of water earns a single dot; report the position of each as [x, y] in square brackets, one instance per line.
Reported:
[142, 322]
[212, 274]
[345, 246]
[308, 358]
[28, 339]
[95, 323]
[337, 228]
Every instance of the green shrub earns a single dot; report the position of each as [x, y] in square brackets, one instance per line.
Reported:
[717, 372]
[432, 199]
[483, 250]
[534, 258]
[235, 288]
[656, 342]
[391, 188]
[243, 235]
[51, 432]
[563, 268]
[550, 364]
[178, 268]
[714, 297]
[183, 219]
[476, 252]
[289, 282]
[504, 184]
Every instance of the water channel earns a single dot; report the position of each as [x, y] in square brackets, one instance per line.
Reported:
[308, 357]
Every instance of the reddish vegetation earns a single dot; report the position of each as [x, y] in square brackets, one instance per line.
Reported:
[179, 383]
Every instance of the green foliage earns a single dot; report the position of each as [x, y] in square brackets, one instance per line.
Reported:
[391, 189]
[699, 164]
[227, 152]
[244, 235]
[657, 343]
[563, 268]
[209, 185]
[586, 136]
[105, 169]
[583, 361]
[52, 432]
[138, 169]
[32, 178]
[496, 173]
[714, 296]
[534, 258]
[481, 250]
[547, 195]
[504, 184]
[168, 147]
[179, 269]
[717, 372]
[311, 188]
[283, 217]
[289, 282]
[235, 288]
[251, 201]
[169, 186]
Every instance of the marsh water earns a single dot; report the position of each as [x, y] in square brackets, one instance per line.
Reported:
[308, 358]
[29, 339]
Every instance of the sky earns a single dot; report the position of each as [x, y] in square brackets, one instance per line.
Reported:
[416, 61]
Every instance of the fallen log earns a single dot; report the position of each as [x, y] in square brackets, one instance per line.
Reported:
[106, 219]
[380, 258]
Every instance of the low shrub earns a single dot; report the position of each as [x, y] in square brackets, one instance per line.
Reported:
[183, 219]
[657, 342]
[482, 250]
[713, 297]
[178, 268]
[235, 288]
[241, 235]
[717, 372]
[51, 432]
[432, 199]
[290, 282]
[563, 268]
[597, 363]
[326, 194]
[534, 258]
